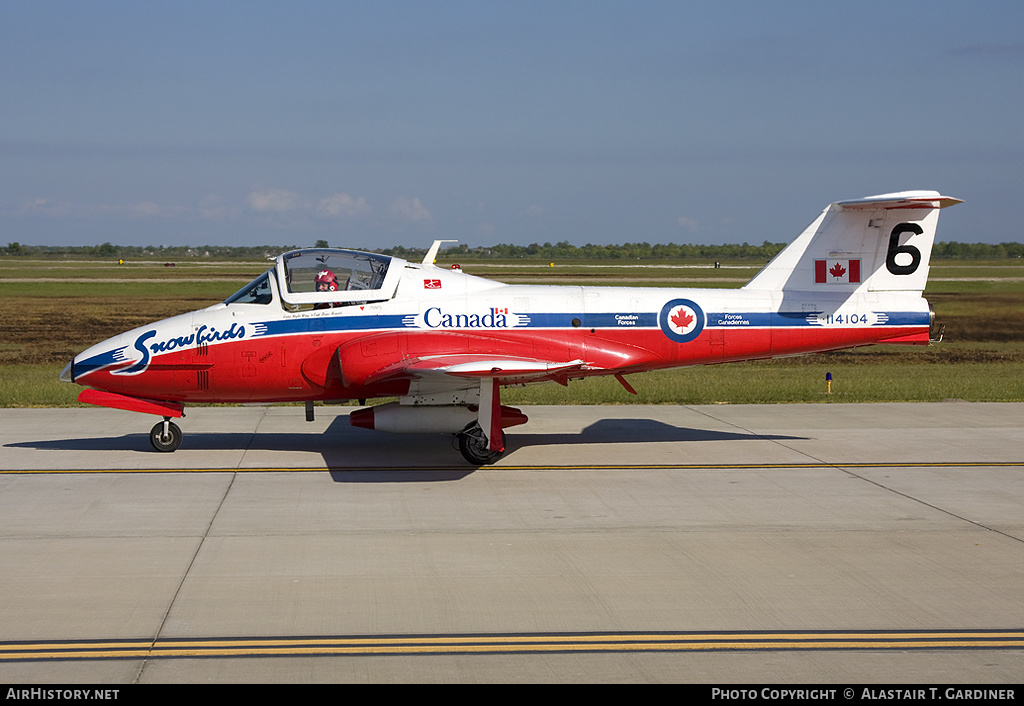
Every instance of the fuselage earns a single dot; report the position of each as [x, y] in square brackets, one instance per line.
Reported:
[261, 347]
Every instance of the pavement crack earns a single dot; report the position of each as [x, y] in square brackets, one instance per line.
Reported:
[925, 503]
[845, 469]
[184, 577]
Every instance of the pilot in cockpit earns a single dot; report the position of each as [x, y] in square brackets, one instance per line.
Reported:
[326, 281]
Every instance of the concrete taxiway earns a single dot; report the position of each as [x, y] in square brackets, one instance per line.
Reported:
[812, 543]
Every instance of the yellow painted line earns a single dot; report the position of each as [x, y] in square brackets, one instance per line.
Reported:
[491, 644]
[576, 467]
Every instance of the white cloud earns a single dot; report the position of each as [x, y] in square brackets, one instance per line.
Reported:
[44, 207]
[143, 209]
[287, 203]
[688, 224]
[264, 200]
[146, 208]
[343, 205]
[533, 211]
[410, 210]
[213, 208]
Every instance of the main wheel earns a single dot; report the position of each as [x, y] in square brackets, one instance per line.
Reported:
[473, 445]
[165, 442]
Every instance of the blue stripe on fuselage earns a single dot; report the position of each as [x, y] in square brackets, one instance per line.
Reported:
[618, 320]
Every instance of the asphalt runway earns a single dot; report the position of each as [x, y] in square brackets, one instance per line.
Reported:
[727, 544]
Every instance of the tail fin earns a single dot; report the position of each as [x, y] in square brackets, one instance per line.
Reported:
[878, 243]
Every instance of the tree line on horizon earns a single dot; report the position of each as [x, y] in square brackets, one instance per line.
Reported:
[564, 250]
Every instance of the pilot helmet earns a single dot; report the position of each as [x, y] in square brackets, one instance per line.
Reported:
[327, 277]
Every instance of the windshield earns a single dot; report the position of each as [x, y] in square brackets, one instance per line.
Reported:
[256, 292]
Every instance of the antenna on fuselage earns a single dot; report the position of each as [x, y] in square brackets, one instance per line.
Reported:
[428, 259]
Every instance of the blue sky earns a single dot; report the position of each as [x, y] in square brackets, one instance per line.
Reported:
[371, 124]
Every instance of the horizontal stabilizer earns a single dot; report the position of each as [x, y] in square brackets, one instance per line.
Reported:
[903, 200]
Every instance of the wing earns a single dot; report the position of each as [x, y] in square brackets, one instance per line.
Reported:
[376, 359]
[464, 370]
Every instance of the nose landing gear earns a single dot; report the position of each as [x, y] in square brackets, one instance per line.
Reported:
[165, 436]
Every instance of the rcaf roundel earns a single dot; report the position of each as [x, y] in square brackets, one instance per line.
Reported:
[681, 320]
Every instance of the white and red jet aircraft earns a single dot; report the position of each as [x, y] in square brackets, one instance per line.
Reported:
[331, 325]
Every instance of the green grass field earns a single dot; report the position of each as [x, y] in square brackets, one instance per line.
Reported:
[54, 309]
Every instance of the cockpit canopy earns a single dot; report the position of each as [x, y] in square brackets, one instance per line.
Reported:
[325, 276]
[335, 276]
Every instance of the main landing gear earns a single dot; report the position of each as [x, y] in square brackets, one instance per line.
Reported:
[165, 436]
[474, 447]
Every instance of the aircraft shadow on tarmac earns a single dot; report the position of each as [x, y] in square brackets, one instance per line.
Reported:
[631, 431]
[360, 455]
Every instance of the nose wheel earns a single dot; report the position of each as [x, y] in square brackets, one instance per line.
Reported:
[165, 436]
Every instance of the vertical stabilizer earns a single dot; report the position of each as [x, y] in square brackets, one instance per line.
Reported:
[878, 243]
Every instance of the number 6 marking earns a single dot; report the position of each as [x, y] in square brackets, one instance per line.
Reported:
[895, 249]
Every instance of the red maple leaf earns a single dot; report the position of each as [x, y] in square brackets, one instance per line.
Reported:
[682, 319]
[837, 270]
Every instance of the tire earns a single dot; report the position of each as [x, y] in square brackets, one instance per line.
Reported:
[165, 444]
[473, 446]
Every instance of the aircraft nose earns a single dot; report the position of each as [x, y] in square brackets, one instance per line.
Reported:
[68, 373]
